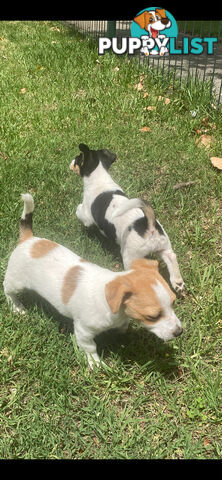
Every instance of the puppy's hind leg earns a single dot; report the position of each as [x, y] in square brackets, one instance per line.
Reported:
[128, 253]
[127, 259]
[84, 216]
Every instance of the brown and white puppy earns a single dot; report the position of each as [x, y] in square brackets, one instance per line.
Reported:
[96, 299]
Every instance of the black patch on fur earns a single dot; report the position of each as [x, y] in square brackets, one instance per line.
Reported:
[98, 209]
[27, 222]
[89, 160]
[141, 225]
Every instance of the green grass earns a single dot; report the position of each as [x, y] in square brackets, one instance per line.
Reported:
[154, 400]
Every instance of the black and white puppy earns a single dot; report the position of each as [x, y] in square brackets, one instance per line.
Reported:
[129, 222]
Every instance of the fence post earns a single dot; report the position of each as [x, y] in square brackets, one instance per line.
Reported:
[111, 28]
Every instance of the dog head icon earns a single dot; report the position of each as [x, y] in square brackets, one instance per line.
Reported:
[153, 21]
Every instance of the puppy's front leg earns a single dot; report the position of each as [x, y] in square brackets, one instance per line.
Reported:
[82, 215]
[170, 259]
[16, 305]
[85, 341]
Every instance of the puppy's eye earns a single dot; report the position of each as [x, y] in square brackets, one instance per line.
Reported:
[154, 318]
[151, 20]
[157, 17]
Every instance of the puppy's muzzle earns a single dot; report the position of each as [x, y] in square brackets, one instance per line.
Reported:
[177, 332]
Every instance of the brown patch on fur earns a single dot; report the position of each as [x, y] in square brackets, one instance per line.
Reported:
[115, 292]
[42, 247]
[82, 260]
[25, 234]
[153, 264]
[144, 263]
[70, 283]
[25, 230]
[135, 292]
[144, 302]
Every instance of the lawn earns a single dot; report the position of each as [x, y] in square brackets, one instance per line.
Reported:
[155, 400]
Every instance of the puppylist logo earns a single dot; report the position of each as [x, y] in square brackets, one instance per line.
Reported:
[154, 32]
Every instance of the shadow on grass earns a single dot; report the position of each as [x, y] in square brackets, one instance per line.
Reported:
[135, 346]
[106, 244]
[140, 347]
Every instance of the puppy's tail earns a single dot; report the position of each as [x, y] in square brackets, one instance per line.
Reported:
[137, 203]
[25, 230]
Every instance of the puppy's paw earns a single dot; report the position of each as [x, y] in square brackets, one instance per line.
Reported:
[96, 364]
[180, 287]
[19, 308]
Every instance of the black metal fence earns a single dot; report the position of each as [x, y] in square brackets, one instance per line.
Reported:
[204, 68]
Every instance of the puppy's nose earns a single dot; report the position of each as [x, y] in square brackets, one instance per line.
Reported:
[177, 331]
[164, 21]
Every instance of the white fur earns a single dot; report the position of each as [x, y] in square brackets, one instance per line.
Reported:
[126, 206]
[122, 212]
[166, 326]
[28, 204]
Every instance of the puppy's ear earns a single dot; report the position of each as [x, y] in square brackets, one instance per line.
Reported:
[142, 19]
[84, 148]
[107, 158]
[117, 292]
[144, 263]
[161, 12]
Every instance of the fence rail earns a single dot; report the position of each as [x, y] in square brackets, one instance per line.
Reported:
[203, 67]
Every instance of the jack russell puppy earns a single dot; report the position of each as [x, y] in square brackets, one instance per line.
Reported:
[129, 222]
[96, 299]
